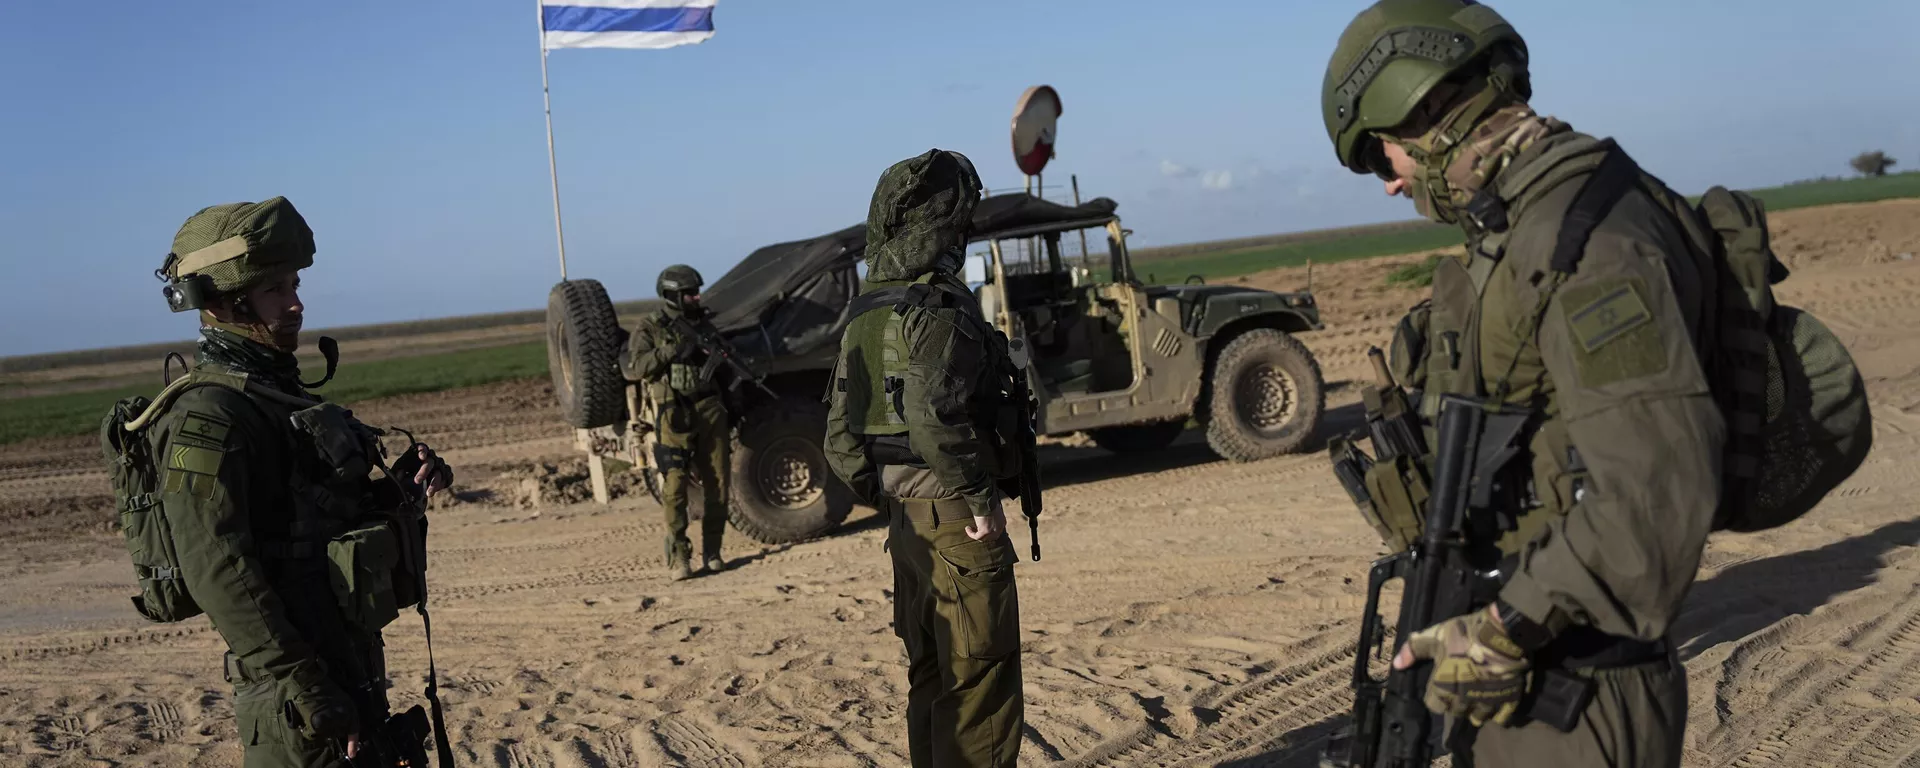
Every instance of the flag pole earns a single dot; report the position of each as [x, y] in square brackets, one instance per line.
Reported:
[553, 171]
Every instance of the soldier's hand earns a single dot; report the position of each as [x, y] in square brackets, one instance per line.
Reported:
[434, 474]
[1478, 673]
[325, 712]
[994, 524]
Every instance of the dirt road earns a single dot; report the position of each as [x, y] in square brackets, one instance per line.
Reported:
[1189, 612]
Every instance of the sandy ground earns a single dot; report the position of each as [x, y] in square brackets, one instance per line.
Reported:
[1188, 611]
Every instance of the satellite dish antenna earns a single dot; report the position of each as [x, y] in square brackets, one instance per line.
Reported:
[1034, 119]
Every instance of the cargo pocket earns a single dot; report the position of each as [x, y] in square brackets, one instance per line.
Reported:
[985, 607]
[261, 714]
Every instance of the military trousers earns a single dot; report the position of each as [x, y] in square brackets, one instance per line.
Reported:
[694, 442]
[269, 736]
[957, 611]
[1638, 719]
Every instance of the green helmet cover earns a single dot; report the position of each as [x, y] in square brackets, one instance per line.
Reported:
[676, 279]
[922, 209]
[236, 244]
[1395, 52]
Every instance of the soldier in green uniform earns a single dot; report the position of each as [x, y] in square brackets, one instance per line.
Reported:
[911, 431]
[691, 416]
[1607, 509]
[260, 493]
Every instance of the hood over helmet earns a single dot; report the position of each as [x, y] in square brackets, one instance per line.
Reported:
[922, 211]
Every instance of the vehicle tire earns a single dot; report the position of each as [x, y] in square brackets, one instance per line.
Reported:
[1138, 438]
[583, 354]
[1266, 397]
[783, 491]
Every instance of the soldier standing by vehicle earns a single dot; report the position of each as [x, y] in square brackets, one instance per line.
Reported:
[690, 417]
[912, 431]
[244, 497]
[1599, 522]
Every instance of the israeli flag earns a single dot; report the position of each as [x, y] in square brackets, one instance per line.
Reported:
[625, 23]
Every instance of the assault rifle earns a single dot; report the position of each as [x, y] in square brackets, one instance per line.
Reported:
[1027, 441]
[720, 352]
[1392, 727]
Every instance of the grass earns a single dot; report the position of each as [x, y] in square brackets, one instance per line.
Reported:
[1234, 258]
[80, 412]
[1251, 260]
[1416, 275]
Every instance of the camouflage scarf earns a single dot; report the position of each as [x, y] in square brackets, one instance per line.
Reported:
[1491, 146]
[1450, 175]
[262, 362]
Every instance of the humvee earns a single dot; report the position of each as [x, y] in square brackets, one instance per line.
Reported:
[1128, 363]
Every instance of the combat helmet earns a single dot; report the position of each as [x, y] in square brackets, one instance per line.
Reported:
[1394, 53]
[677, 280]
[922, 212]
[226, 248]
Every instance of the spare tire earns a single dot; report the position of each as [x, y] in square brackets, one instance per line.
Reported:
[583, 354]
[783, 491]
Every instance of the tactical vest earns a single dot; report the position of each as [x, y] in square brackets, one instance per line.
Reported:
[682, 379]
[1795, 406]
[873, 372]
[342, 524]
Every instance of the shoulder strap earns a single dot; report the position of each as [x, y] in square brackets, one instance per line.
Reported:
[899, 297]
[1609, 182]
[194, 378]
[237, 382]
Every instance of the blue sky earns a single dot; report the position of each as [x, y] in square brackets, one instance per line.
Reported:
[410, 133]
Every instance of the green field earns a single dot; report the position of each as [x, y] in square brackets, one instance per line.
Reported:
[1237, 257]
[80, 412]
[67, 414]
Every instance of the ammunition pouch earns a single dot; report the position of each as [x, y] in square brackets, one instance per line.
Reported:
[1399, 492]
[343, 447]
[892, 450]
[667, 458]
[683, 378]
[364, 568]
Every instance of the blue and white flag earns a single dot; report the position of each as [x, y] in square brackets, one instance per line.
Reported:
[625, 23]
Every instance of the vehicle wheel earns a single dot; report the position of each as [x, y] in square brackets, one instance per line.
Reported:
[1267, 397]
[783, 492]
[1137, 438]
[583, 354]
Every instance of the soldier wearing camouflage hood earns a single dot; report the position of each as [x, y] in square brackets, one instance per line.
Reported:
[1584, 294]
[262, 496]
[910, 430]
[692, 422]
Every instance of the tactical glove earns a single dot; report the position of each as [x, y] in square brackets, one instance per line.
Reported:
[686, 352]
[325, 711]
[1479, 673]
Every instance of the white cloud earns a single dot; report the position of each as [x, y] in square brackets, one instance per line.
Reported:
[1217, 179]
[1175, 170]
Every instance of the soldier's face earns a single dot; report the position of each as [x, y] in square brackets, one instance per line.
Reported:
[275, 303]
[1403, 169]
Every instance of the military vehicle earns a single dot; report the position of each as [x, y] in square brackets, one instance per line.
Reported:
[1130, 364]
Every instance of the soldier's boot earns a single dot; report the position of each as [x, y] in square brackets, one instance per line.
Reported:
[714, 562]
[678, 556]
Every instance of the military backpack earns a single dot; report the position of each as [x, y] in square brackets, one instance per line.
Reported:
[1795, 407]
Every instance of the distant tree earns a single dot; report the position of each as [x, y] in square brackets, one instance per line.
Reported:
[1873, 163]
